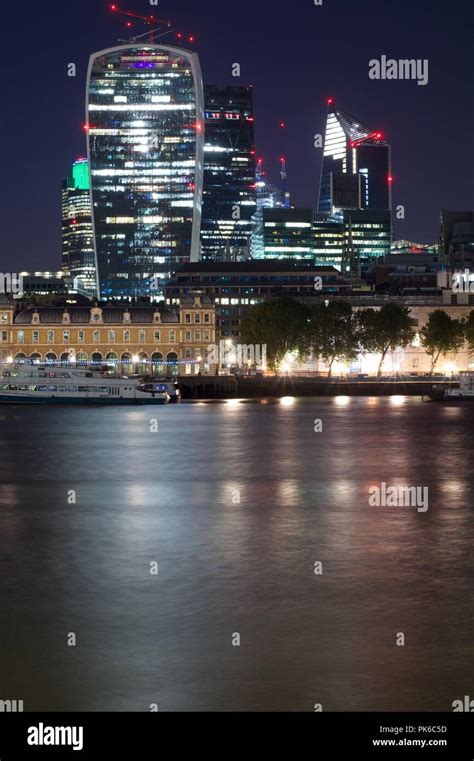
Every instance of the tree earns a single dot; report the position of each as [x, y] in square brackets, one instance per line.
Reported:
[384, 329]
[469, 331]
[278, 323]
[331, 333]
[442, 334]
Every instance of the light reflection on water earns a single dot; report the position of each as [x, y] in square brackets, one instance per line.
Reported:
[236, 503]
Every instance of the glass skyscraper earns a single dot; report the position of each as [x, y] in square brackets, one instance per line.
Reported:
[229, 199]
[77, 236]
[145, 124]
[356, 168]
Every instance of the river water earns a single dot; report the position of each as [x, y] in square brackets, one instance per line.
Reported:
[158, 551]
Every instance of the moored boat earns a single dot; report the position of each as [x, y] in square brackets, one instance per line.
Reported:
[465, 392]
[43, 384]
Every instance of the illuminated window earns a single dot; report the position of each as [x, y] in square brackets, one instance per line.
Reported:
[172, 337]
[187, 335]
[197, 318]
[141, 336]
[157, 336]
[126, 336]
[65, 336]
[81, 336]
[96, 336]
[111, 336]
[50, 336]
[20, 336]
[35, 336]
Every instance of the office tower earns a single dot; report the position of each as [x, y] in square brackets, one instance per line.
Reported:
[356, 167]
[287, 233]
[145, 127]
[349, 236]
[77, 236]
[456, 238]
[229, 198]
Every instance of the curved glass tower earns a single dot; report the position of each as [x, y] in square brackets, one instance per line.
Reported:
[145, 124]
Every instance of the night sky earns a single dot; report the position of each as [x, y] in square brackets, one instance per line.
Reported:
[294, 54]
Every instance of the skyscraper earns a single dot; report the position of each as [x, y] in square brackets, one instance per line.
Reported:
[229, 199]
[145, 123]
[356, 168]
[77, 236]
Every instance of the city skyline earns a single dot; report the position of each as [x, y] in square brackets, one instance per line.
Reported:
[420, 183]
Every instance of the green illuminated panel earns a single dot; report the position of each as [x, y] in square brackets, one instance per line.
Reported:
[80, 173]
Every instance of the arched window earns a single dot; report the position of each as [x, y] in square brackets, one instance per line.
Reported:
[50, 356]
[96, 357]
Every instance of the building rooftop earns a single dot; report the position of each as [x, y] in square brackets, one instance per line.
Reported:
[254, 266]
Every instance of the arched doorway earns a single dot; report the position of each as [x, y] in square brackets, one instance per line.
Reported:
[36, 356]
[96, 358]
[126, 360]
[142, 363]
[81, 358]
[157, 363]
[111, 358]
[172, 363]
[51, 357]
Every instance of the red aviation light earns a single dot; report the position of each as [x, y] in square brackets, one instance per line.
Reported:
[330, 101]
[390, 178]
[252, 152]
[378, 135]
[128, 24]
[179, 35]
[113, 8]
[86, 127]
[282, 125]
[198, 126]
[191, 39]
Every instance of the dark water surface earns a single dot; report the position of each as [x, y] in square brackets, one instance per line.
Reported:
[227, 566]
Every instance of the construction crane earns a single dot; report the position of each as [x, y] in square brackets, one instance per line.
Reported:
[283, 172]
[153, 21]
[161, 26]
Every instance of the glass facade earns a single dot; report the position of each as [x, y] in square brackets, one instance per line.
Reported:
[77, 235]
[229, 199]
[356, 167]
[287, 234]
[346, 237]
[145, 124]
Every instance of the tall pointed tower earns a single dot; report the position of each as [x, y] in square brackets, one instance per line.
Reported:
[356, 168]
